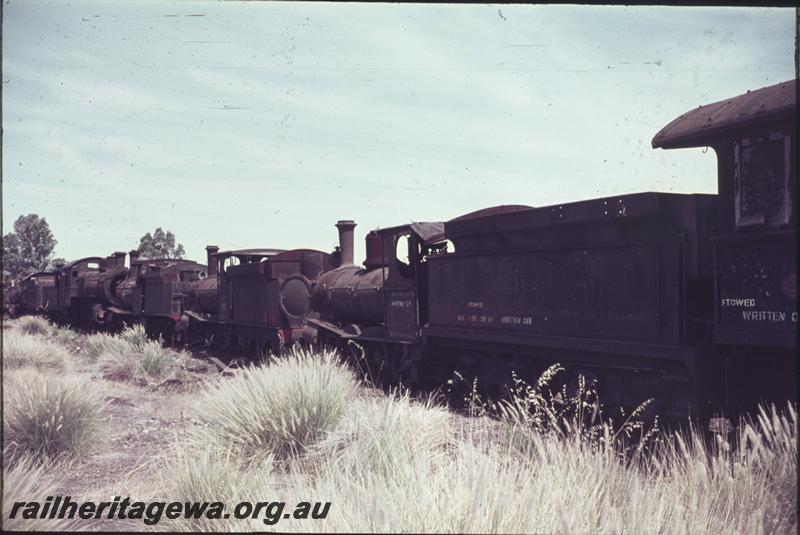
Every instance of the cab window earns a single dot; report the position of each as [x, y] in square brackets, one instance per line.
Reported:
[762, 186]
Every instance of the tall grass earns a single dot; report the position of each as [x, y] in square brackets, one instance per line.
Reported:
[28, 480]
[395, 464]
[477, 484]
[49, 417]
[282, 407]
[28, 351]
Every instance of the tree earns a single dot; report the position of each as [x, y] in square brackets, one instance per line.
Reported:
[159, 245]
[28, 249]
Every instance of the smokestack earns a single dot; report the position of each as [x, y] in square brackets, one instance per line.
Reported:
[133, 262]
[346, 227]
[213, 263]
[119, 259]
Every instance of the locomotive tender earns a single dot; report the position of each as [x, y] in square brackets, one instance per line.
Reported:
[687, 298]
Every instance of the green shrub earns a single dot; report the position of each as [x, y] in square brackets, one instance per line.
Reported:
[51, 416]
[283, 407]
[23, 351]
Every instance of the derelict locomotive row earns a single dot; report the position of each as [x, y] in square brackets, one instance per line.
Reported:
[690, 299]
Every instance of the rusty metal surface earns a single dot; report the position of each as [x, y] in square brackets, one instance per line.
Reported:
[165, 282]
[36, 292]
[552, 226]
[202, 296]
[428, 232]
[402, 320]
[697, 127]
[255, 252]
[346, 228]
[295, 297]
[212, 260]
[125, 292]
[309, 262]
[494, 210]
[68, 275]
[378, 251]
[269, 288]
[609, 292]
[756, 281]
[350, 294]
[607, 268]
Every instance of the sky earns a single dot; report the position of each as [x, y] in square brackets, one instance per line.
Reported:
[261, 124]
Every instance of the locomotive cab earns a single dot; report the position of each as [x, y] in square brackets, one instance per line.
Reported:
[67, 279]
[36, 292]
[379, 301]
[405, 251]
[755, 253]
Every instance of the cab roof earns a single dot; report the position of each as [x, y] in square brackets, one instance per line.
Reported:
[697, 127]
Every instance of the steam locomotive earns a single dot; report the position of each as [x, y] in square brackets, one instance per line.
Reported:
[688, 298]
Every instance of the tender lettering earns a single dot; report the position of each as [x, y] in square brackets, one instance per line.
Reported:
[763, 315]
[516, 320]
[738, 302]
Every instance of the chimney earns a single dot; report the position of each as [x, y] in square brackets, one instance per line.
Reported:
[119, 259]
[346, 240]
[133, 262]
[213, 262]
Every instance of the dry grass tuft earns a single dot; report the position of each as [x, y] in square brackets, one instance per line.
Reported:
[50, 417]
[379, 435]
[34, 325]
[131, 356]
[209, 473]
[282, 407]
[29, 351]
